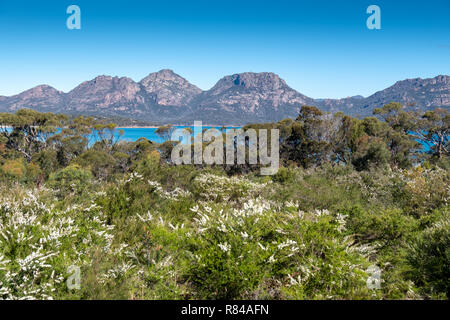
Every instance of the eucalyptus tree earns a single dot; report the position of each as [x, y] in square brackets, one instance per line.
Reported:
[400, 137]
[434, 130]
[27, 131]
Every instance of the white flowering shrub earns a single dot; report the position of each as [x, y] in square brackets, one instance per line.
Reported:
[184, 233]
[429, 257]
[39, 242]
[211, 187]
[240, 253]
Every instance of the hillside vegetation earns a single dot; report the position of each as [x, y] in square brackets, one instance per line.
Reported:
[350, 195]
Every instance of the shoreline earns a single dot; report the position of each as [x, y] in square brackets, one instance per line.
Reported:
[156, 127]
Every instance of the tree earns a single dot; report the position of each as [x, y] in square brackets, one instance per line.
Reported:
[72, 139]
[370, 151]
[107, 136]
[399, 139]
[343, 141]
[27, 131]
[396, 117]
[165, 132]
[434, 130]
[309, 140]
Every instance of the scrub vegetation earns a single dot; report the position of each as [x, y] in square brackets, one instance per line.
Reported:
[350, 194]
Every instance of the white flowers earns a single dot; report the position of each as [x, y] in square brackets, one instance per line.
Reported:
[293, 281]
[3, 261]
[262, 247]
[225, 247]
[291, 204]
[213, 187]
[287, 243]
[341, 221]
[46, 237]
[35, 260]
[147, 218]
[323, 212]
[174, 195]
[244, 235]
[134, 176]
[117, 272]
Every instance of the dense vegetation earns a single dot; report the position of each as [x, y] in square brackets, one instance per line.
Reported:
[351, 194]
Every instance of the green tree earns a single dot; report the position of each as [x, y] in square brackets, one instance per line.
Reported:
[434, 130]
[27, 130]
[308, 142]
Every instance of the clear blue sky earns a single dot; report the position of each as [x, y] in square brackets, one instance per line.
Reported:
[321, 48]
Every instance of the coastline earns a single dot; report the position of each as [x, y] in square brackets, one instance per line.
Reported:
[155, 127]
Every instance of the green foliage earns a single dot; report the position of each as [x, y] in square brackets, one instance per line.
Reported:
[20, 170]
[47, 161]
[370, 152]
[351, 195]
[284, 175]
[429, 257]
[14, 168]
[72, 180]
[100, 162]
[258, 252]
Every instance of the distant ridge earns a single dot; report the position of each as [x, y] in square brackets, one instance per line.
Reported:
[166, 97]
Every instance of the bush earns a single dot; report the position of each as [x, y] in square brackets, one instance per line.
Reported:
[429, 258]
[72, 180]
[48, 161]
[284, 175]
[38, 243]
[258, 252]
[14, 169]
[424, 190]
[100, 162]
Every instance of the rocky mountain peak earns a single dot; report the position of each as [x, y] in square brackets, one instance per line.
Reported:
[104, 92]
[264, 81]
[35, 98]
[169, 88]
[166, 74]
[40, 91]
[166, 97]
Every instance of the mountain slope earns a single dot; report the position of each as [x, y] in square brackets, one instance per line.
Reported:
[169, 88]
[165, 97]
[111, 95]
[249, 97]
[416, 94]
[41, 98]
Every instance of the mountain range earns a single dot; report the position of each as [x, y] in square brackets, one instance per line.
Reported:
[165, 97]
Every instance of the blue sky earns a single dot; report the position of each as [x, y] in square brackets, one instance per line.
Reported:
[321, 48]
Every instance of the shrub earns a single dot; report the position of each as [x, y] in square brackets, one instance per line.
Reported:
[38, 243]
[429, 258]
[284, 175]
[425, 190]
[100, 162]
[72, 180]
[14, 169]
[237, 253]
[217, 188]
[47, 160]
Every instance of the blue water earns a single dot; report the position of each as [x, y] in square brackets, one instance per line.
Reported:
[133, 134]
